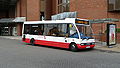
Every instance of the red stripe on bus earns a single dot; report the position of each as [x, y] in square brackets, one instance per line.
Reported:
[49, 43]
[57, 44]
[52, 43]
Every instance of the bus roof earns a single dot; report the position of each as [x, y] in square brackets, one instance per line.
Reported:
[66, 21]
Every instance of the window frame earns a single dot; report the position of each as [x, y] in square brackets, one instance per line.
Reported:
[63, 6]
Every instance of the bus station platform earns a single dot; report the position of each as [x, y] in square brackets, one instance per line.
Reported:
[101, 47]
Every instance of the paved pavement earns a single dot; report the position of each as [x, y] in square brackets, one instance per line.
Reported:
[99, 46]
[12, 37]
[115, 48]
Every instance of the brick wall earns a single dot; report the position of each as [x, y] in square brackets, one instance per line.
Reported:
[48, 9]
[29, 9]
[17, 11]
[103, 38]
[89, 9]
[95, 9]
[118, 37]
[115, 15]
[54, 7]
[33, 10]
[73, 6]
[23, 8]
[19, 29]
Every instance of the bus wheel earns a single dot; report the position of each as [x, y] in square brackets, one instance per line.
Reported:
[32, 42]
[73, 47]
[23, 38]
[91, 48]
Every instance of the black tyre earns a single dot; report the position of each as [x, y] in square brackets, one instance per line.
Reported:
[23, 37]
[73, 47]
[32, 42]
[91, 48]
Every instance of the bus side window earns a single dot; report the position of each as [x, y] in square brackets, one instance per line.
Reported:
[40, 32]
[63, 30]
[35, 31]
[26, 29]
[58, 30]
[53, 32]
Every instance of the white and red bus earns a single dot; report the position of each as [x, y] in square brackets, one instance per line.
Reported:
[70, 33]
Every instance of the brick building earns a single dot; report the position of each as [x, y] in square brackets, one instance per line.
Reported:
[12, 12]
[36, 9]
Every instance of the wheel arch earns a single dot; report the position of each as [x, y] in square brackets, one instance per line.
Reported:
[31, 40]
[71, 43]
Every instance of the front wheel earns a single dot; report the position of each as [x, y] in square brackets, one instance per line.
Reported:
[73, 47]
[91, 48]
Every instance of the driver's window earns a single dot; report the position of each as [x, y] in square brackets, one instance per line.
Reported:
[72, 29]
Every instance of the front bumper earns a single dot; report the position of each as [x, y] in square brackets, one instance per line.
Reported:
[85, 46]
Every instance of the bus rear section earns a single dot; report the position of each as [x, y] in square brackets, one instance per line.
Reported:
[63, 34]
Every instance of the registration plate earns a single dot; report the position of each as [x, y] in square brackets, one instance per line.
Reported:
[88, 47]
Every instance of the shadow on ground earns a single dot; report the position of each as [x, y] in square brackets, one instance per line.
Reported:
[57, 48]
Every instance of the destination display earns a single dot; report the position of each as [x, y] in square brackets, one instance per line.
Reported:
[85, 22]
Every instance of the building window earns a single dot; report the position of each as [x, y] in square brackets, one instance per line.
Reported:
[63, 6]
[113, 5]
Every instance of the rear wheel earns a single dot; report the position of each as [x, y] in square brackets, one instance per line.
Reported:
[73, 47]
[23, 37]
[32, 42]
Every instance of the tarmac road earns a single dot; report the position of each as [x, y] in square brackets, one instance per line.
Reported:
[16, 54]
